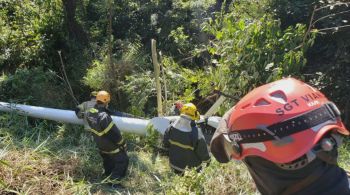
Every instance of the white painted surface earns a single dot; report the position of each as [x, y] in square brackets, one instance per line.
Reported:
[214, 121]
[125, 124]
[130, 125]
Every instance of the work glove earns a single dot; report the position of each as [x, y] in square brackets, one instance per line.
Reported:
[79, 112]
[203, 121]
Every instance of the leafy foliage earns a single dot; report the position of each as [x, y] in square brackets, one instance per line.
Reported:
[329, 56]
[140, 87]
[34, 86]
[26, 28]
[250, 51]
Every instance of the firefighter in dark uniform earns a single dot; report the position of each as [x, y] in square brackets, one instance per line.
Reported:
[287, 134]
[185, 141]
[106, 135]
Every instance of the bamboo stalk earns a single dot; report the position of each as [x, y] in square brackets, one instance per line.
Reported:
[156, 75]
[165, 108]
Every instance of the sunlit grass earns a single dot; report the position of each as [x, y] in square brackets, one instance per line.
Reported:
[344, 155]
[42, 158]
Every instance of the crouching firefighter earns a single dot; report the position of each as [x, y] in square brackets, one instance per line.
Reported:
[106, 135]
[185, 141]
[287, 133]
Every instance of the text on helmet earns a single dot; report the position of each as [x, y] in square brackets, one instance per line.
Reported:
[309, 99]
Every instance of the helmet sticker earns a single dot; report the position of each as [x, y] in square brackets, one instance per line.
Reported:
[287, 107]
[310, 96]
[310, 99]
[235, 137]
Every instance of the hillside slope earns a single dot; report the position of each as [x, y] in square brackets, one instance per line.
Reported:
[37, 157]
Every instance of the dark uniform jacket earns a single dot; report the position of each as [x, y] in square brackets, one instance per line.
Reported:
[186, 144]
[106, 135]
[325, 178]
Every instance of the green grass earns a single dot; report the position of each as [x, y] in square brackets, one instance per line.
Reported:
[46, 158]
[344, 155]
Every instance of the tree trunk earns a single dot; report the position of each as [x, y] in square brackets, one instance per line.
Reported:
[75, 30]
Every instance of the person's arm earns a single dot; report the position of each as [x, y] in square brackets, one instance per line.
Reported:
[166, 137]
[202, 149]
[79, 110]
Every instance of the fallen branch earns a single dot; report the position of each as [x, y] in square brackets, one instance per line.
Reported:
[332, 28]
[329, 15]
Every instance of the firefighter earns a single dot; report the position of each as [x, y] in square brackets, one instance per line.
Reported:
[287, 133]
[185, 141]
[107, 137]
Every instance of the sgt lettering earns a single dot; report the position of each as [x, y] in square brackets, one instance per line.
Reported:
[310, 99]
[287, 107]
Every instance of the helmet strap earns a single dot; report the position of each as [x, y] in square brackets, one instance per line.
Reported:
[261, 133]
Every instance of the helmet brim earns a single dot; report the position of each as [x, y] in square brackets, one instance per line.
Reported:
[342, 129]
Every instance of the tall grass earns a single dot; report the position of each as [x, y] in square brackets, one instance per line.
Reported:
[49, 158]
[344, 153]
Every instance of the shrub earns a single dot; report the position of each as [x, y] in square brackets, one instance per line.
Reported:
[33, 86]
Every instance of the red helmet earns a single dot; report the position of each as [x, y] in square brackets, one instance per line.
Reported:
[179, 104]
[281, 121]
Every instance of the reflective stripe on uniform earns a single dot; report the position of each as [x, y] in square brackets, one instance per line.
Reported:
[176, 168]
[181, 145]
[120, 142]
[93, 110]
[112, 152]
[179, 169]
[104, 131]
[206, 161]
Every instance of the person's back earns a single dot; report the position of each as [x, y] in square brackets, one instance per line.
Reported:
[186, 144]
[101, 123]
[187, 147]
[317, 178]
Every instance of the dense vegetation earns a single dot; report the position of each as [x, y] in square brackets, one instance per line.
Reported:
[54, 52]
